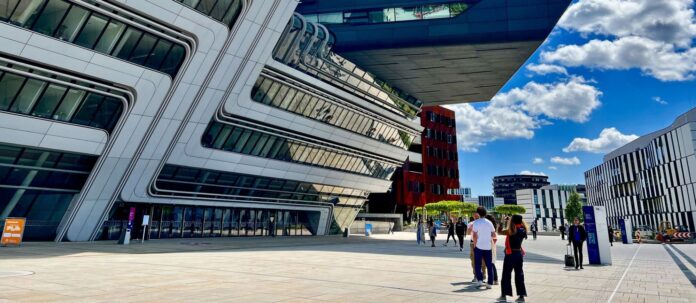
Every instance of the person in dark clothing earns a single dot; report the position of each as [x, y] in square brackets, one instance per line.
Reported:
[534, 230]
[577, 235]
[611, 236]
[562, 229]
[516, 232]
[460, 230]
[450, 233]
[490, 217]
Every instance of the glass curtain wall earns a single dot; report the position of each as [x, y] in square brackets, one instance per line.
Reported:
[225, 11]
[76, 24]
[36, 97]
[209, 222]
[252, 142]
[38, 185]
[317, 107]
[392, 14]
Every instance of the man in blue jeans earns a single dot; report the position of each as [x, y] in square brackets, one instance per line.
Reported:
[483, 233]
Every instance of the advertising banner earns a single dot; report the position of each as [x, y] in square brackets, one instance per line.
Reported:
[13, 231]
[598, 249]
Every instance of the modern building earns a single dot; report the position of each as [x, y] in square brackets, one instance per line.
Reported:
[489, 202]
[431, 171]
[651, 179]
[506, 186]
[546, 205]
[215, 118]
[464, 192]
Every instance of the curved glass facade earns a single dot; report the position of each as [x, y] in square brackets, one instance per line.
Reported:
[321, 107]
[39, 185]
[261, 144]
[391, 14]
[225, 11]
[307, 47]
[79, 25]
[22, 94]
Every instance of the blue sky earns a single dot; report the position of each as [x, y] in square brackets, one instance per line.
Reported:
[611, 70]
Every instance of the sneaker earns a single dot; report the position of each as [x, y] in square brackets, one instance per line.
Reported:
[520, 299]
[495, 282]
[489, 286]
[474, 280]
[478, 284]
[502, 299]
[460, 249]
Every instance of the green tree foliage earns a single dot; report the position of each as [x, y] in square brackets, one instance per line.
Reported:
[509, 209]
[574, 208]
[449, 207]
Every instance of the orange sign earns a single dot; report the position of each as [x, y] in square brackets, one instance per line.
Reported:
[13, 231]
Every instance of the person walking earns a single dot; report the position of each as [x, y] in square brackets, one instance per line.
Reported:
[534, 230]
[577, 235]
[516, 232]
[494, 251]
[470, 228]
[450, 233]
[460, 230]
[611, 236]
[562, 229]
[432, 229]
[419, 232]
[482, 234]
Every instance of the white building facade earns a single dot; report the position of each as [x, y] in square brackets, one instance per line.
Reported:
[545, 205]
[226, 118]
[651, 179]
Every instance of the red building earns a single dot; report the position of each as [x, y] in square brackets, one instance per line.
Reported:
[431, 170]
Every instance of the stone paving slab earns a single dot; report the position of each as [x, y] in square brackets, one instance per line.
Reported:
[385, 268]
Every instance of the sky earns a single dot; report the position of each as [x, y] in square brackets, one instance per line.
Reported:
[610, 71]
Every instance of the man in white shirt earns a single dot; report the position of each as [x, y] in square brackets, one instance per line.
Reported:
[469, 230]
[483, 233]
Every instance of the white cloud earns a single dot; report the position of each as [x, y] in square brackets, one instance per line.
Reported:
[660, 100]
[538, 161]
[553, 167]
[573, 100]
[546, 69]
[653, 36]
[609, 139]
[518, 113]
[566, 161]
[657, 59]
[527, 172]
[669, 21]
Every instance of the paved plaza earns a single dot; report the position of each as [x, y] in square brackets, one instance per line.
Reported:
[384, 268]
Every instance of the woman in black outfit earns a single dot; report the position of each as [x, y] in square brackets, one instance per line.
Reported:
[516, 232]
[577, 235]
[450, 233]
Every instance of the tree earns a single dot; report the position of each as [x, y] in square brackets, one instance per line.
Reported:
[509, 209]
[449, 207]
[574, 208]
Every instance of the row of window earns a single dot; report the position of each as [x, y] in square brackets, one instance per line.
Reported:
[30, 96]
[392, 14]
[203, 222]
[208, 182]
[39, 185]
[416, 186]
[251, 142]
[225, 11]
[437, 189]
[442, 119]
[76, 24]
[439, 171]
[440, 136]
[441, 154]
[281, 95]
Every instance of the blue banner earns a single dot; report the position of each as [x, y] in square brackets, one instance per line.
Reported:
[622, 225]
[591, 229]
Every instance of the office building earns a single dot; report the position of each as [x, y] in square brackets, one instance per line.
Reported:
[489, 202]
[464, 192]
[651, 179]
[546, 205]
[215, 118]
[506, 186]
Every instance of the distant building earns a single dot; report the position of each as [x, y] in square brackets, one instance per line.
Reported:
[464, 192]
[651, 179]
[506, 186]
[546, 205]
[489, 202]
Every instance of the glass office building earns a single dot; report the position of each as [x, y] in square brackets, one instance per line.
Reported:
[226, 118]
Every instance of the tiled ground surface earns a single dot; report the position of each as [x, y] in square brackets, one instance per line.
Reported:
[327, 269]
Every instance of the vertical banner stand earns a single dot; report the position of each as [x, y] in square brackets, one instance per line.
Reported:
[598, 247]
